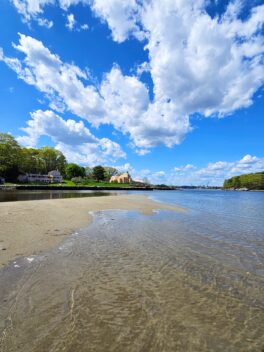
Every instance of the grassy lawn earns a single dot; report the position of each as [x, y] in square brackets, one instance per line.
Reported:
[70, 183]
[95, 184]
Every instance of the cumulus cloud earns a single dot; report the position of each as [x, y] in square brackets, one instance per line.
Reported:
[104, 152]
[60, 130]
[120, 100]
[203, 64]
[198, 64]
[215, 173]
[61, 82]
[129, 110]
[71, 137]
[121, 16]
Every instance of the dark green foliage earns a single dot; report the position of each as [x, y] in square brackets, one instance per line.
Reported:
[99, 173]
[73, 170]
[10, 157]
[250, 181]
[15, 159]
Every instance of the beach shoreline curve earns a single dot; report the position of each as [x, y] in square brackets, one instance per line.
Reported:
[31, 227]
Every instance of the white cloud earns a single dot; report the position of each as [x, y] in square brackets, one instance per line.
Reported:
[184, 168]
[70, 21]
[203, 64]
[91, 154]
[73, 25]
[142, 151]
[214, 173]
[160, 174]
[84, 27]
[71, 137]
[122, 101]
[48, 123]
[43, 22]
[127, 167]
[31, 8]
[61, 82]
[121, 17]
[129, 109]
[198, 64]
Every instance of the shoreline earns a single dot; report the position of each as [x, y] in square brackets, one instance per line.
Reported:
[72, 188]
[31, 227]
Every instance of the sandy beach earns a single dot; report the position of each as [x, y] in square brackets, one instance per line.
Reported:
[33, 226]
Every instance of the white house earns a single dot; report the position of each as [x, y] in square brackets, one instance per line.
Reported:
[33, 178]
[52, 177]
[55, 176]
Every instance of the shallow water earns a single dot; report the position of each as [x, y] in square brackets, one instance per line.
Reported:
[189, 281]
[16, 195]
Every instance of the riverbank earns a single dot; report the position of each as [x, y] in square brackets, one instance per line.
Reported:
[31, 227]
[110, 187]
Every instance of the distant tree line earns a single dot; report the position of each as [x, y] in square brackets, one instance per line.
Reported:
[251, 181]
[16, 160]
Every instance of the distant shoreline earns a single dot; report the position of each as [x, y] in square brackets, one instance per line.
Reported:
[73, 188]
[31, 187]
[83, 188]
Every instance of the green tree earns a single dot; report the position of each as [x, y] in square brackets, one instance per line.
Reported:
[250, 181]
[52, 159]
[109, 172]
[99, 173]
[73, 170]
[228, 183]
[89, 172]
[10, 157]
[32, 163]
[236, 182]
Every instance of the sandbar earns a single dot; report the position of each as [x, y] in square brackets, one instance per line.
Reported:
[30, 227]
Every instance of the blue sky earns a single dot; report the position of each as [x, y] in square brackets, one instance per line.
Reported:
[170, 90]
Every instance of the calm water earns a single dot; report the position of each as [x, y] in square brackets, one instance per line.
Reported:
[13, 196]
[189, 281]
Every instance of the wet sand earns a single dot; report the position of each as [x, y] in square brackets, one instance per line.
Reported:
[34, 226]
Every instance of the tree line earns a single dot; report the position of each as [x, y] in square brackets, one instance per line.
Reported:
[254, 181]
[16, 160]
